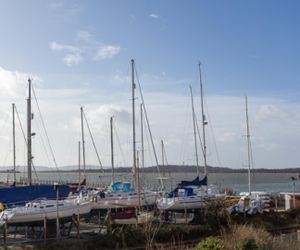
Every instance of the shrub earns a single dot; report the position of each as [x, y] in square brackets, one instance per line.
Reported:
[247, 244]
[210, 243]
[239, 234]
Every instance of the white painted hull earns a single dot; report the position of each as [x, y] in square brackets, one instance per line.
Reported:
[46, 209]
[183, 203]
[122, 199]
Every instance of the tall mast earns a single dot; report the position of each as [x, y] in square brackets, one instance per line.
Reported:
[142, 137]
[79, 162]
[163, 157]
[248, 145]
[133, 122]
[204, 122]
[83, 142]
[162, 153]
[112, 149]
[29, 118]
[14, 141]
[138, 181]
[194, 127]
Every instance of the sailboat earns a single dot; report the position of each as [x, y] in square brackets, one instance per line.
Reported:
[19, 195]
[121, 194]
[189, 195]
[251, 202]
[35, 212]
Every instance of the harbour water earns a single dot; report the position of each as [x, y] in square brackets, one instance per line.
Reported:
[238, 182]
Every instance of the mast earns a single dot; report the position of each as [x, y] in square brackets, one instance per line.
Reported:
[79, 162]
[194, 127]
[29, 134]
[83, 142]
[138, 181]
[162, 153]
[204, 122]
[142, 137]
[112, 149]
[133, 123]
[14, 142]
[163, 157]
[248, 145]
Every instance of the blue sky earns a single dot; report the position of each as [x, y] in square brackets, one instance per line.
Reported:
[80, 51]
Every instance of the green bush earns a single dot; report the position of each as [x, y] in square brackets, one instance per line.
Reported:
[247, 244]
[210, 243]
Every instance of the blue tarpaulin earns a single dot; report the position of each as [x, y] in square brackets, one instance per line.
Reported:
[188, 191]
[19, 195]
[184, 184]
[195, 182]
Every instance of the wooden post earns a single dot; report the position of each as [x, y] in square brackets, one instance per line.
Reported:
[5, 233]
[45, 229]
[78, 225]
[99, 220]
[136, 214]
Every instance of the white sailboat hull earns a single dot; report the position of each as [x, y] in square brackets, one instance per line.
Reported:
[122, 199]
[182, 203]
[39, 211]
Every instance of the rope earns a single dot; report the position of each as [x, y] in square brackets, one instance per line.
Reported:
[94, 144]
[184, 134]
[46, 134]
[43, 144]
[119, 144]
[213, 134]
[20, 123]
[198, 133]
[149, 129]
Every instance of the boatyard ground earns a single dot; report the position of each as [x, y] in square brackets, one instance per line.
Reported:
[269, 230]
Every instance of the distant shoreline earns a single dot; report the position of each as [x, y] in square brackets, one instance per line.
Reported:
[164, 169]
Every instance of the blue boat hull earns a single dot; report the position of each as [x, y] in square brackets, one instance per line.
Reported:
[19, 195]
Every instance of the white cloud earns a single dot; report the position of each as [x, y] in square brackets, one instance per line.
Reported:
[273, 112]
[268, 146]
[72, 59]
[72, 53]
[275, 141]
[87, 47]
[122, 78]
[13, 83]
[63, 47]
[107, 52]
[153, 15]
[84, 35]
[228, 137]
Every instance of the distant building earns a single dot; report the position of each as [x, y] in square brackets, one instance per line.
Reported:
[292, 200]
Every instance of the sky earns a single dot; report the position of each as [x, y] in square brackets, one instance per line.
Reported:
[78, 53]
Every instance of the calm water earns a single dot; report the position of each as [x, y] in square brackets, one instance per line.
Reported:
[279, 182]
